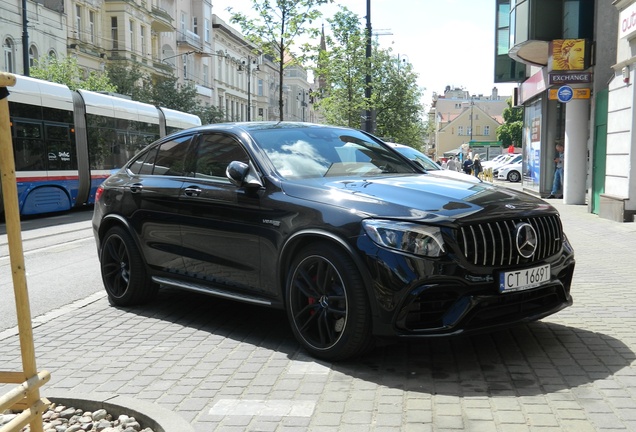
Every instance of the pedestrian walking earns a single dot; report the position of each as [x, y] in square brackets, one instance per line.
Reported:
[452, 164]
[477, 168]
[468, 165]
[557, 183]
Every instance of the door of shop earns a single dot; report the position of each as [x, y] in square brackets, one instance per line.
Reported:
[600, 149]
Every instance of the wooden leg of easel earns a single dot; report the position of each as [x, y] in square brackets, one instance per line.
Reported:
[16, 253]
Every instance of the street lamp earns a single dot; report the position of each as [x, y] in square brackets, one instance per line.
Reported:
[472, 104]
[247, 66]
[177, 55]
[302, 97]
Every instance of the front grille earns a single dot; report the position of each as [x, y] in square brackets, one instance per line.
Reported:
[493, 243]
[515, 306]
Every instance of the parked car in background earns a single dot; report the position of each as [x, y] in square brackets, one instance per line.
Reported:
[510, 160]
[494, 161]
[510, 172]
[353, 240]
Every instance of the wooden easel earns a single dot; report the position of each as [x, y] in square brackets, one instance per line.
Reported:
[26, 396]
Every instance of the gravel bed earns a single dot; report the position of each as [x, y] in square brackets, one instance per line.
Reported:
[60, 418]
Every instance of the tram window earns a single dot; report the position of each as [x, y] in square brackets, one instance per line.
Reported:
[148, 128]
[98, 121]
[27, 130]
[57, 115]
[29, 154]
[25, 110]
[139, 142]
[170, 160]
[54, 132]
[60, 148]
[102, 147]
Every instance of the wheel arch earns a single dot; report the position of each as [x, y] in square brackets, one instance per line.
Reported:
[47, 199]
[304, 238]
[113, 220]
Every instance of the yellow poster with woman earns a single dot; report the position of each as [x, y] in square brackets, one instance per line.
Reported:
[568, 54]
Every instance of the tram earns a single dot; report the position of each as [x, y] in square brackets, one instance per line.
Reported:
[67, 142]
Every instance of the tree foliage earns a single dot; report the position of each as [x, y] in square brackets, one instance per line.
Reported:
[66, 71]
[511, 131]
[275, 27]
[343, 66]
[395, 98]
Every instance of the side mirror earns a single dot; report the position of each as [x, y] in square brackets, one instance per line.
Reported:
[239, 174]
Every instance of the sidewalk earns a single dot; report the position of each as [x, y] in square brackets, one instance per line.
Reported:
[225, 366]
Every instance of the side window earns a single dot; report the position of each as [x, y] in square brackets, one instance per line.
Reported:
[166, 159]
[144, 163]
[214, 153]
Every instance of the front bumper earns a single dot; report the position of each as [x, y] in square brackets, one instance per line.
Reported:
[418, 297]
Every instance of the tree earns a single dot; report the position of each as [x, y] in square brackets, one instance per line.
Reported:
[167, 92]
[511, 131]
[210, 114]
[128, 80]
[275, 27]
[344, 68]
[397, 100]
[66, 71]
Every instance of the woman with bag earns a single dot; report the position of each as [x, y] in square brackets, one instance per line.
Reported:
[477, 168]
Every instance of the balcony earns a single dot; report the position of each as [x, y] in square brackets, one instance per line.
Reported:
[190, 39]
[161, 20]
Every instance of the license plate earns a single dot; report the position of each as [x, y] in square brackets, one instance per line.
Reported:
[520, 280]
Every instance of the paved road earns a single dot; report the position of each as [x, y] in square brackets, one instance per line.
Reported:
[59, 256]
[230, 367]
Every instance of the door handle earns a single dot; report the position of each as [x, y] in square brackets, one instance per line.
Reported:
[192, 191]
[136, 187]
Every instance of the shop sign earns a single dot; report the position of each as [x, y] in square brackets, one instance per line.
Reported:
[577, 93]
[627, 22]
[570, 78]
[564, 94]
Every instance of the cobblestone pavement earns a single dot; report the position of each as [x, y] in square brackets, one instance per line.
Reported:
[226, 366]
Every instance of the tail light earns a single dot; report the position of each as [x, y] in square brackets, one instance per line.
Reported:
[99, 192]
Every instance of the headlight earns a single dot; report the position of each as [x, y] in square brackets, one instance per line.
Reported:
[406, 237]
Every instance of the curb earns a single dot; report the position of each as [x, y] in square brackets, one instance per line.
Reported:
[149, 414]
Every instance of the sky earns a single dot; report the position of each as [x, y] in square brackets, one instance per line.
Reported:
[448, 42]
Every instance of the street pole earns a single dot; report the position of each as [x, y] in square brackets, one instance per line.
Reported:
[249, 88]
[25, 39]
[472, 104]
[367, 90]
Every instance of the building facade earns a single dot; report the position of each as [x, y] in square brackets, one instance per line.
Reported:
[47, 33]
[578, 56]
[160, 38]
[462, 120]
[618, 197]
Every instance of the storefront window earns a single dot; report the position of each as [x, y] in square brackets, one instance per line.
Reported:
[532, 146]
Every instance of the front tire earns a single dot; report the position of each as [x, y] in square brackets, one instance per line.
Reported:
[327, 304]
[123, 270]
[514, 176]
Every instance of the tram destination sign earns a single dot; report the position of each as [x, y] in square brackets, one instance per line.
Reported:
[570, 77]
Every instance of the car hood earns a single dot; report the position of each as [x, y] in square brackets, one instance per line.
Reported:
[455, 175]
[418, 197]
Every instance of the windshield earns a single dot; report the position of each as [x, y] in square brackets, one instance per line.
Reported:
[418, 157]
[327, 152]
